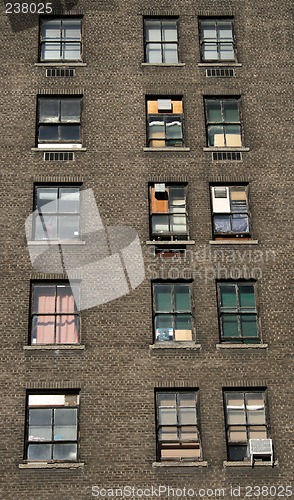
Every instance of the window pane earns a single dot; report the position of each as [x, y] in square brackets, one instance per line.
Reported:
[169, 31]
[257, 432]
[189, 433]
[230, 325]
[70, 110]
[210, 51]
[226, 51]
[163, 327]
[65, 424]
[67, 328]
[256, 417]
[246, 297]
[183, 322]
[153, 30]
[39, 452]
[40, 425]
[51, 51]
[71, 29]
[166, 399]
[163, 298]
[240, 223]
[160, 224]
[65, 302]
[153, 53]
[69, 227]
[70, 133]
[249, 326]
[69, 199]
[46, 199]
[182, 298]
[48, 133]
[170, 53]
[177, 199]
[178, 224]
[168, 434]
[44, 299]
[173, 128]
[233, 135]
[228, 297]
[214, 114]
[225, 30]
[187, 416]
[64, 452]
[156, 132]
[222, 223]
[208, 30]
[46, 227]
[236, 417]
[51, 29]
[235, 400]
[255, 400]
[187, 399]
[43, 328]
[47, 399]
[167, 416]
[231, 111]
[49, 110]
[237, 433]
[71, 51]
[216, 136]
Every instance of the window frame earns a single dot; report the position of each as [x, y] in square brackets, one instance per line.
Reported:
[56, 214]
[161, 19]
[51, 143]
[173, 313]
[178, 393]
[52, 441]
[244, 444]
[231, 234]
[163, 117]
[77, 315]
[224, 123]
[217, 41]
[169, 235]
[60, 41]
[240, 339]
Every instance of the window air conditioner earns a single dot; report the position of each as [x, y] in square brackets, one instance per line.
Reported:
[261, 447]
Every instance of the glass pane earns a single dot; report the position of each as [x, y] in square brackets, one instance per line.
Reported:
[237, 433]
[240, 223]
[170, 53]
[46, 227]
[43, 329]
[47, 399]
[70, 133]
[231, 111]
[226, 51]
[233, 136]
[178, 224]
[214, 114]
[187, 399]
[246, 297]
[160, 224]
[249, 325]
[210, 52]
[71, 29]
[153, 53]
[236, 417]
[187, 416]
[173, 128]
[256, 417]
[167, 416]
[222, 223]
[163, 327]
[51, 29]
[156, 132]
[64, 452]
[71, 51]
[208, 30]
[169, 31]
[189, 433]
[70, 110]
[166, 399]
[69, 199]
[163, 297]
[46, 199]
[69, 227]
[228, 297]
[183, 322]
[177, 199]
[257, 432]
[40, 425]
[65, 424]
[39, 452]
[182, 298]
[235, 400]
[255, 400]
[49, 110]
[216, 136]
[48, 133]
[50, 51]
[65, 302]
[44, 299]
[168, 434]
[230, 325]
[225, 30]
[67, 329]
[153, 30]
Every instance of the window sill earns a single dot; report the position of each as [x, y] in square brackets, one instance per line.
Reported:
[221, 64]
[180, 65]
[175, 345]
[59, 149]
[170, 243]
[225, 149]
[56, 465]
[235, 241]
[241, 346]
[167, 149]
[247, 463]
[45, 347]
[55, 242]
[201, 463]
[60, 64]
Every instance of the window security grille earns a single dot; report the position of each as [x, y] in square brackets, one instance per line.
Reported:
[59, 156]
[220, 72]
[226, 156]
[61, 72]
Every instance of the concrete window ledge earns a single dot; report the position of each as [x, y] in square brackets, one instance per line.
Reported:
[46, 465]
[167, 150]
[57, 242]
[59, 150]
[219, 64]
[61, 65]
[54, 348]
[175, 345]
[170, 243]
[223, 149]
[241, 346]
[180, 464]
[165, 65]
[248, 464]
[233, 242]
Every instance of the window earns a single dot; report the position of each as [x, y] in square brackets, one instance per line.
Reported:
[161, 40]
[230, 211]
[168, 212]
[217, 40]
[54, 315]
[59, 122]
[238, 313]
[58, 213]
[246, 418]
[172, 311]
[223, 123]
[164, 122]
[52, 427]
[178, 434]
[61, 39]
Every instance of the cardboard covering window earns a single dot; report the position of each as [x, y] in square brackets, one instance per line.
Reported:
[159, 201]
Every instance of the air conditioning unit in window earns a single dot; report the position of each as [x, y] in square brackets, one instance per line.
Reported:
[261, 447]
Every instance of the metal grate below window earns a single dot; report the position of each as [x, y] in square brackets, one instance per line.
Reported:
[60, 72]
[226, 156]
[220, 72]
[59, 155]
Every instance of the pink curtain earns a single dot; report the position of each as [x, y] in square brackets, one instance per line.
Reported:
[45, 325]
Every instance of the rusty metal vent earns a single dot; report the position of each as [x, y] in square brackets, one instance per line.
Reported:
[220, 72]
[61, 72]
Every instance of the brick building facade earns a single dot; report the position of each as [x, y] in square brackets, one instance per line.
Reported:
[177, 116]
